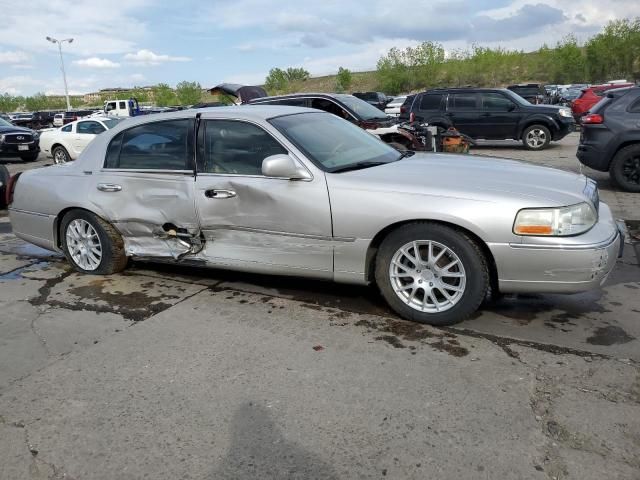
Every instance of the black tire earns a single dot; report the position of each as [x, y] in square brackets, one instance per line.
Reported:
[4, 181]
[542, 132]
[625, 168]
[30, 157]
[469, 254]
[113, 258]
[60, 155]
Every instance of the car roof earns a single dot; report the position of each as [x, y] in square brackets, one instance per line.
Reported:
[301, 95]
[463, 89]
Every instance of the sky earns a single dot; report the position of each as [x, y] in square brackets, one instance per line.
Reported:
[145, 42]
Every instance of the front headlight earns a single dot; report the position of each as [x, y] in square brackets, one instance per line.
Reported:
[565, 112]
[556, 222]
[36, 135]
[1, 138]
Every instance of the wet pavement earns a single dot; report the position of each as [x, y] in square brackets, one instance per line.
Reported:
[181, 372]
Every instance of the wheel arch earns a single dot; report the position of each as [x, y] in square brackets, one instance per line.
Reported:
[378, 238]
[60, 144]
[57, 223]
[627, 142]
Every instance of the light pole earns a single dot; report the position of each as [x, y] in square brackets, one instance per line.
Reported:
[64, 75]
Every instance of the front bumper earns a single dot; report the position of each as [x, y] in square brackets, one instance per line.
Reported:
[11, 149]
[569, 265]
[565, 127]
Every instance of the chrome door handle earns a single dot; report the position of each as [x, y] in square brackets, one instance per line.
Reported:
[219, 193]
[109, 187]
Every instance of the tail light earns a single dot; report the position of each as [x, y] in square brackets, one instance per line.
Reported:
[412, 117]
[592, 119]
[11, 186]
[403, 109]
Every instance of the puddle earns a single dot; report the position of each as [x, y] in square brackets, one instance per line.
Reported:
[18, 272]
[610, 335]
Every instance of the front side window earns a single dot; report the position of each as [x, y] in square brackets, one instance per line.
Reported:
[111, 106]
[67, 128]
[463, 101]
[92, 128]
[494, 102]
[236, 148]
[330, 107]
[163, 145]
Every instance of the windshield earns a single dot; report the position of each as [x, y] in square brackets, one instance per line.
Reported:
[528, 91]
[361, 108]
[111, 122]
[516, 98]
[333, 143]
[4, 123]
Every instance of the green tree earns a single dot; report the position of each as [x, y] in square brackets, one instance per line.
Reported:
[188, 93]
[282, 81]
[343, 79]
[163, 95]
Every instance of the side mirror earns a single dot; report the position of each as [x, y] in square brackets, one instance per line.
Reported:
[283, 166]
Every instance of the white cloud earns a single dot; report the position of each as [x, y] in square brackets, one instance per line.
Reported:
[96, 27]
[148, 58]
[96, 62]
[15, 85]
[15, 57]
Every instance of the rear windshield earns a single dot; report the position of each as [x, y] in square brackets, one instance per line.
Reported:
[528, 91]
[361, 108]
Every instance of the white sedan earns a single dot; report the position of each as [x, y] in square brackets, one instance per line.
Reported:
[67, 143]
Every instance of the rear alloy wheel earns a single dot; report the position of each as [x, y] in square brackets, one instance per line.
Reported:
[431, 273]
[625, 168]
[60, 155]
[92, 245]
[536, 137]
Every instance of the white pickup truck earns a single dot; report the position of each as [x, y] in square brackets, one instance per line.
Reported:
[122, 108]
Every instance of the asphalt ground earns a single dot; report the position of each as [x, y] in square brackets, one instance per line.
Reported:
[179, 372]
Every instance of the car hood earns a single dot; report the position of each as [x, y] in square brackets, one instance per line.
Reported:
[544, 108]
[470, 177]
[15, 129]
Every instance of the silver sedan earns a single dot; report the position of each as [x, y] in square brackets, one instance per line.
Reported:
[293, 191]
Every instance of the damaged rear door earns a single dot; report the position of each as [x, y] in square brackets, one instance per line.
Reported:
[257, 223]
[146, 189]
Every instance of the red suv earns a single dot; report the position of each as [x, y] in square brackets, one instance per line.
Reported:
[592, 95]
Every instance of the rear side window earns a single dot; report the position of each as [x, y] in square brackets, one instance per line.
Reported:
[152, 146]
[635, 106]
[122, 105]
[463, 101]
[430, 102]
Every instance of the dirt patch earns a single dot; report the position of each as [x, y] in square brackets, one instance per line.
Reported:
[397, 330]
[610, 335]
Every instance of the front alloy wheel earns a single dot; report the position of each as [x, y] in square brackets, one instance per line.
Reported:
[428, 276]
[536, 137]
[431, 273]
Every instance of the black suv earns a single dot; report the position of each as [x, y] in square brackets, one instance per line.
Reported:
[18, 142]
[610, 138]
[377, 99]
[43, 119]
[345, 106]
[493, 113]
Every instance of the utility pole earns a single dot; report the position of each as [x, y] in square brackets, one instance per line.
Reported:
[64, 75]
